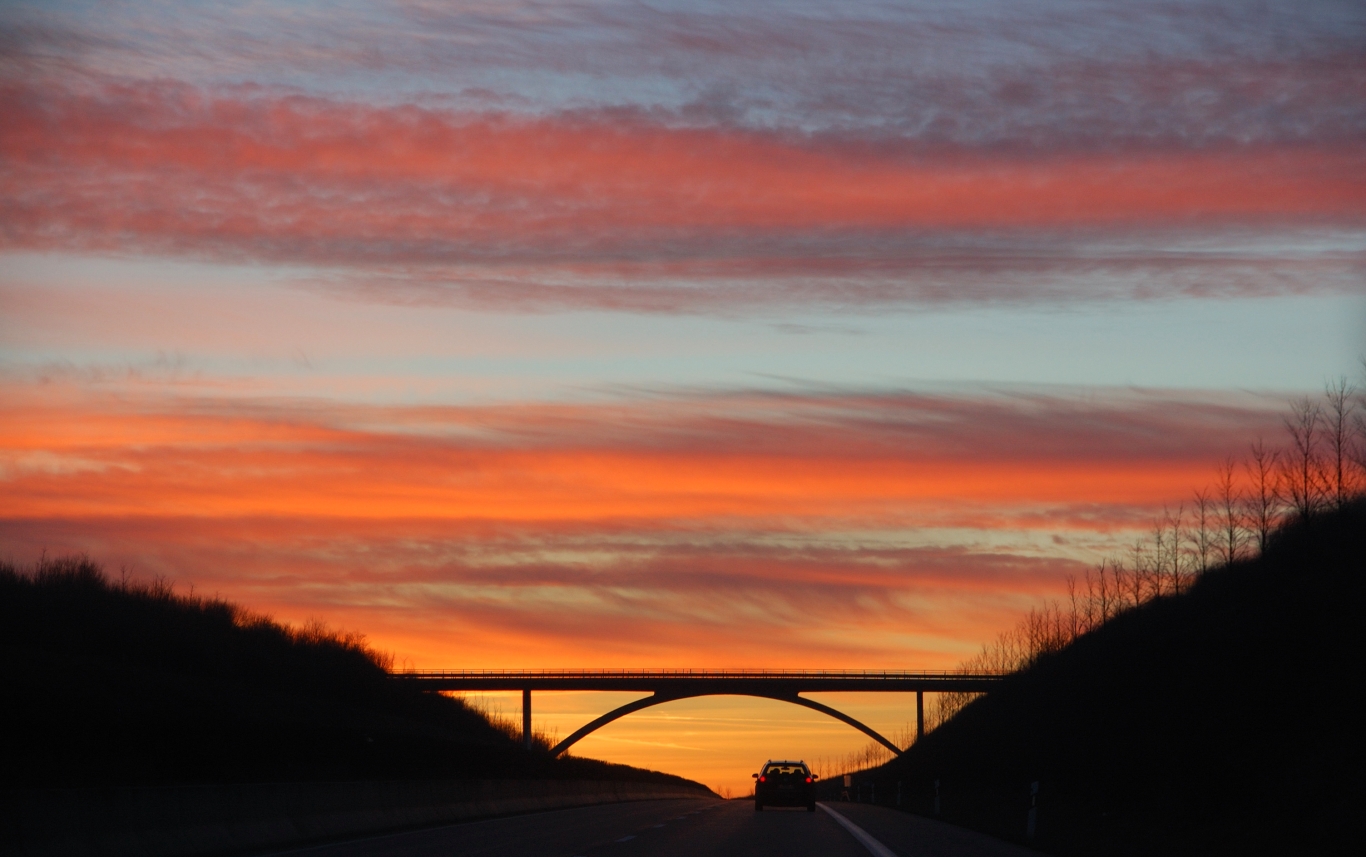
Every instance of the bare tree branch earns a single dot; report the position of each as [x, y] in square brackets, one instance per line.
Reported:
[1263, 499]
[1339, 431]
[1229, 498]
[1201, 536]
[1302, 474]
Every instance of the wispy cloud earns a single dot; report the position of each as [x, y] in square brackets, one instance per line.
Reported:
[1042, 75]
[406, 203]
[698, 157]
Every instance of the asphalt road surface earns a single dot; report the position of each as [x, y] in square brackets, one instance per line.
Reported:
[683, 828]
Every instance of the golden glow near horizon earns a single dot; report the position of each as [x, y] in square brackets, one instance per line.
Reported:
[718, 741]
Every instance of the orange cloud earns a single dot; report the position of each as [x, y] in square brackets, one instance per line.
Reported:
[665, 530]
[444, 594]
[890, 459]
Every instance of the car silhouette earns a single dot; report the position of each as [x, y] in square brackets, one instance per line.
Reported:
[784, 784]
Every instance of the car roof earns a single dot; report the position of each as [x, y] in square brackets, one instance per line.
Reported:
[783, 762]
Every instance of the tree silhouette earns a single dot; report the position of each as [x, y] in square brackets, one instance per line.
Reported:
[1322, 466]
[1230, 513]
[1263, 498]
[1340, 401]
[1302, 475]
[1201, 535]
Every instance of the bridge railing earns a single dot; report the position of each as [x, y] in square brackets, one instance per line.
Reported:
[664, 673]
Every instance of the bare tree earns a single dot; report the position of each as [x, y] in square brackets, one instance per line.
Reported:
[1263, 499]
[1302, 478]
[1137, 574]
[1338, 430]
[1359, 447]
[1114, 604]
[1113, 595]
[1176, 553]
[1229, 499]
[1157, 569]
[1100, 595]
[1075, 621]
[1201, 534]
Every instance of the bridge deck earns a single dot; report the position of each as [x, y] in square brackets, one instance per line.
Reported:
[709, 680]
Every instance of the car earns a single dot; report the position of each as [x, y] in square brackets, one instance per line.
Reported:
[784, 784]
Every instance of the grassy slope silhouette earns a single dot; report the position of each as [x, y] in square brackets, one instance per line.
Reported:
[110, 683]
[1220, 720]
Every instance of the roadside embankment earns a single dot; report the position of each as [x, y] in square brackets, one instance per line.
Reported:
[1223, 719]
[228, 819]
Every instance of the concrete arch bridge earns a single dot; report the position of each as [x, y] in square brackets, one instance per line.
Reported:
[672, 685]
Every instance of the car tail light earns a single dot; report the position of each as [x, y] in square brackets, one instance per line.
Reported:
[808, 779]
[763, 779]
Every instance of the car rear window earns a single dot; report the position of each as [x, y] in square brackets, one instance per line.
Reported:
[775, 770]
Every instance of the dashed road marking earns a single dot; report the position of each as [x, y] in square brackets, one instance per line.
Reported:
[626, 838]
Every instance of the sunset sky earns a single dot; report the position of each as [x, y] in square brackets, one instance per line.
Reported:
[676, 334]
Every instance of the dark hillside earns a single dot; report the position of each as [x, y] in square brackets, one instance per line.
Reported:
[1222, 720]
[108, 683]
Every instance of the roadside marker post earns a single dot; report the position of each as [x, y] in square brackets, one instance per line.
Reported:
[1033, 810]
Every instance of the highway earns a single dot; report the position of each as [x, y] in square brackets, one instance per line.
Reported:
[683, 828]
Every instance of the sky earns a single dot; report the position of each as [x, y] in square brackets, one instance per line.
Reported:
[661, 334]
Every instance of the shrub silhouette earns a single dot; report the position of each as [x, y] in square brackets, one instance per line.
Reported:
[124, 682]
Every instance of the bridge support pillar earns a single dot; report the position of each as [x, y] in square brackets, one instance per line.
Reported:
[526, 718]
[919, 714]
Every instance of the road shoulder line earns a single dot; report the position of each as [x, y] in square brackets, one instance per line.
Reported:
[877, 849]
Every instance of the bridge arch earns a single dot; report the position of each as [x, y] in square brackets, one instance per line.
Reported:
[660, 698]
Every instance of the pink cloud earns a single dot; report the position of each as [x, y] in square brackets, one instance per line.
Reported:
[413, 196]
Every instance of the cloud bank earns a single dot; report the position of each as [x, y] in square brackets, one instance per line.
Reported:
[618, 531]
[408, 203]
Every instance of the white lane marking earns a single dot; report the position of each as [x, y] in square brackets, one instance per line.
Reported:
[626, 839]
[876, 848]
[659, 825]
